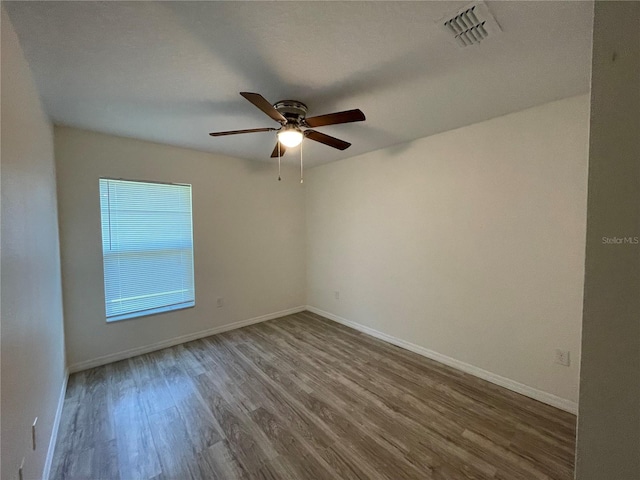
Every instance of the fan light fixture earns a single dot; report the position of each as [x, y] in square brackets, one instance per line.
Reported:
[290, 136]
[292, 117]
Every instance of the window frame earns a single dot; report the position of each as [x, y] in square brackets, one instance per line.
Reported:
[160, 309]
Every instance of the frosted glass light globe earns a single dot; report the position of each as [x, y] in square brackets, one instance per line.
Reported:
[290, 137]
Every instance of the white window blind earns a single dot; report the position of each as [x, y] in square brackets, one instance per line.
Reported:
[147, 247]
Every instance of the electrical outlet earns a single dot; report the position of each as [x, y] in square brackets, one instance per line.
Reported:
[562, 357]
[336, 294]
[219, 302]
[33, 433]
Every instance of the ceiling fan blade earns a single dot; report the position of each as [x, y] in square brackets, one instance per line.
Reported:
[327, 139]
[283, 149]
[236, 132]
[347, 116]
[262, 103]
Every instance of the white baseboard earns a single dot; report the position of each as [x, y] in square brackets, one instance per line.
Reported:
[114, 357]
[46, 471]
[540, 395]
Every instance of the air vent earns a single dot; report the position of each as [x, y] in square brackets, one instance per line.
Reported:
[471, 24]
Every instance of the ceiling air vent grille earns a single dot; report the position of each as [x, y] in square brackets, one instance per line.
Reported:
[471, 25]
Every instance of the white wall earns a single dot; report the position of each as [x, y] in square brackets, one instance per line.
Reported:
[469, 243]
[609, 418]
[33, 370]
[248, 240]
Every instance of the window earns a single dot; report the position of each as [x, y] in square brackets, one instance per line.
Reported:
[147, 247]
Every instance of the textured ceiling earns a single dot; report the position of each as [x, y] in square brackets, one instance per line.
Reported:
[170, 72]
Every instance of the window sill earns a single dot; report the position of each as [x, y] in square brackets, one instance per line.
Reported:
[153, 311]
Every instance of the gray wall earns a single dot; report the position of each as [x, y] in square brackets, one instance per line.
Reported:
[475, 233]
[32, 334]
[248, 239]
[609, 415]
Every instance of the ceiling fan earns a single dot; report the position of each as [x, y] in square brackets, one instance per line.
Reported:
[294, 124]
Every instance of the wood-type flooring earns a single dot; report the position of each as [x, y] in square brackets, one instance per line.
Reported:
[302, 398]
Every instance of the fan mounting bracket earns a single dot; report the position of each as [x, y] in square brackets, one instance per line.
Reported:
[293, 110]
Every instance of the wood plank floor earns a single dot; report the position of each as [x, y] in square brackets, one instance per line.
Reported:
[302, 398]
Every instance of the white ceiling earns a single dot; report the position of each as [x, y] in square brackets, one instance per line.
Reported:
[170, 72]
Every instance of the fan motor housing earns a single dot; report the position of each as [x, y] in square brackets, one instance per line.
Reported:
[293, 110]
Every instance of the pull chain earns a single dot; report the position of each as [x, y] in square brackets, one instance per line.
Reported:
[279, 178]
[301, 176]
